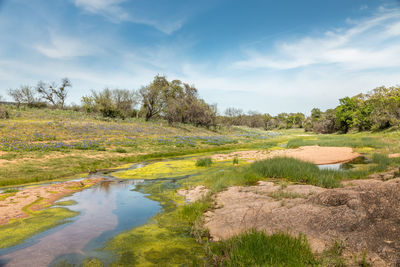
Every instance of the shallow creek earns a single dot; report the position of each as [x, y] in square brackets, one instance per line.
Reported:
[105, 210]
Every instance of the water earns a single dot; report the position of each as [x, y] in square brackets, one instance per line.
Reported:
[106, 210]
[345, 165]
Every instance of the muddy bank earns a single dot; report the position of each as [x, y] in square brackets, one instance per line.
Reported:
[314, 154]
[38, 197]
[364, 215]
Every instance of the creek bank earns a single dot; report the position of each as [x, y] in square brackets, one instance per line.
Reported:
[364, 215]
[38, 197]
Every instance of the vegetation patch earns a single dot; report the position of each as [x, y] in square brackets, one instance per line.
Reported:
[66, 203]
[166, 240]
[204, 162]
[18, 230]
[338, 141]
[259, 249]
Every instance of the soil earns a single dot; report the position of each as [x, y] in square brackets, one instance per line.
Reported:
[315, 154]
[364, 215]
[12, 206]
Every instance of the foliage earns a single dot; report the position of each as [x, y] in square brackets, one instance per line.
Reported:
[204, 162]
[111, 103]
[255, 248]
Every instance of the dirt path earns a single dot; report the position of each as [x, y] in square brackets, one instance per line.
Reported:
[12, 206]
[315, 154]
[365, 215]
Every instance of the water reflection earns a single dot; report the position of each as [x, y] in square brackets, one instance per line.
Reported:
[106, 210]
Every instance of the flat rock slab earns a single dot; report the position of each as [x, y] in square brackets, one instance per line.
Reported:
[314, 154]
[365, 215]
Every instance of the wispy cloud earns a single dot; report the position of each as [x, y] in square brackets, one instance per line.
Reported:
[363, 45]
[62, 47]
[115, 12]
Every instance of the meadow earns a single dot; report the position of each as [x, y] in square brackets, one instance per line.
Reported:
[46, 144]
[40, 145]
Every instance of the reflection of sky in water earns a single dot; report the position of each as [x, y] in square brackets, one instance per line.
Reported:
[106, 209]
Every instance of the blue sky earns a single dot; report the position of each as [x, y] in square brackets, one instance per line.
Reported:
[264, 55]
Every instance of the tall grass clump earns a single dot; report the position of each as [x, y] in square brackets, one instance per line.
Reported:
[204, 162]
[259, 249]
[337, 140]
[297, 171]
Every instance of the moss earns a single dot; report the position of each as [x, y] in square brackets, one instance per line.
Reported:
[66, 203]
[164, 241]
[3, 196]
[162, 169]
[18, 230]
[93, 262]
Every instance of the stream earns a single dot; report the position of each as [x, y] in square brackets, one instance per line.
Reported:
[106, 209]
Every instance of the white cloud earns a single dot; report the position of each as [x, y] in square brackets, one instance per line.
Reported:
[113, 10]
[61, 47]
[363, 45]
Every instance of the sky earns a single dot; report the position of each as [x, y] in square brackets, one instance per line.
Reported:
[256, 55]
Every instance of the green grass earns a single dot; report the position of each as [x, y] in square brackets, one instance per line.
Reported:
[259, 249]
[204, 162]
[292, 170]
[338, 140]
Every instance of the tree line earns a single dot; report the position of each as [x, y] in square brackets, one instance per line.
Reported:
[174, 101]
[177, 101]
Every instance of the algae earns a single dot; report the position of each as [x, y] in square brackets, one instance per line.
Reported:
[166, 239]
[66, 203]
[18, 230]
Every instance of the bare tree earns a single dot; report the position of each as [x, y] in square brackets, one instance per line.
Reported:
[53, 93]
[23, 95]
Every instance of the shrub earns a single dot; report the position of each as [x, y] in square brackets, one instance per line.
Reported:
[235, 161]
[4, 113]
[120, 150]
[204, 162]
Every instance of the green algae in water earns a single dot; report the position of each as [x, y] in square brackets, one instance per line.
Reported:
[166, 169]
[18, 230]
[162, 169]
[164, 241]
[66, 203]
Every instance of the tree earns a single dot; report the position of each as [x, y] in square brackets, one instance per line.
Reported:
[23, 95]
[153, 97]
[53, 93]
[111, 103]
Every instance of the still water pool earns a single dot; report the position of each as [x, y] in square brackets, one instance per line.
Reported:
[105, 210]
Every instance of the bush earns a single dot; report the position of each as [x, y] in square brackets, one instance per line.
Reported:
[235, 161]
[120, 150]
[204, 162]
[4, 113]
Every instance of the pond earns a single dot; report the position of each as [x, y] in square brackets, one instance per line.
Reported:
[105, 210]
[345, 165]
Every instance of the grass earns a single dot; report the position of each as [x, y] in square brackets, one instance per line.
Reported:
[203, 162]
[293, 170]
[338, 140]
[255, 248]
[46, 144]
